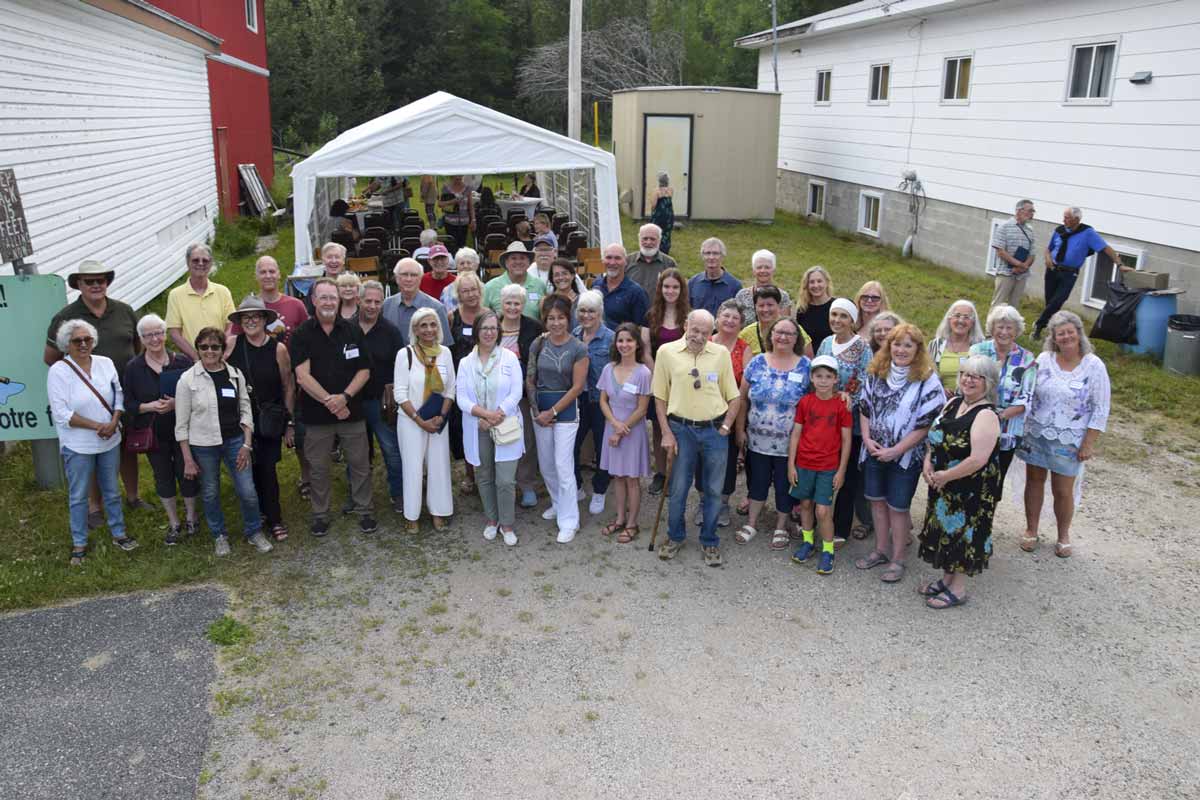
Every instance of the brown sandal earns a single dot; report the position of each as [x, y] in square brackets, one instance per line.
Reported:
[612, 527]
[628, 534]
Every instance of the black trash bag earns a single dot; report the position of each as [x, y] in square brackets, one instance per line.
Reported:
[1118, 319]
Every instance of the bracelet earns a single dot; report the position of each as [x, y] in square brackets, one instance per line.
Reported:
[246, 446]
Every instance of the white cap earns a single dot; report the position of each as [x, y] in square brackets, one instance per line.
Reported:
[829, 362]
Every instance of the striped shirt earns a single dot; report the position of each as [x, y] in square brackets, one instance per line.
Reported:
[1010, 237]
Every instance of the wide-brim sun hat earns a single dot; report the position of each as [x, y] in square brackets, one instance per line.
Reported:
[253, 304]
[89, 267]
[515, 247]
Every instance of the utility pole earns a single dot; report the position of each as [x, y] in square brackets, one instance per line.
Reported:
[575, 71]
[775, 42]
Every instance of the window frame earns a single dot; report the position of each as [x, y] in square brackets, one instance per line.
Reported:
[1075, 46]
[251, 18]
[813, 182]
[863, 196]
[957, 57]
[1088, 271]
[817, 101]
[989, 259]
[871, 83]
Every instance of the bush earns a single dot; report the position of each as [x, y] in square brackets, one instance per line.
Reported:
[236, 239]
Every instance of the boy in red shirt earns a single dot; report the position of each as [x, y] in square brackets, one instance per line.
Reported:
[818, 452]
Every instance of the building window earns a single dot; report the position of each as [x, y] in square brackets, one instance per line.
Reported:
[869, 208]
[816, 199]
[880, 78]
[823, 79]
[956, 79]
[252, 15]
[1099, 270]
[1092, 68]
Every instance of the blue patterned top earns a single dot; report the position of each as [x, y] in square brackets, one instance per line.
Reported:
[1018, 379]
[774, 395]
[599, 357]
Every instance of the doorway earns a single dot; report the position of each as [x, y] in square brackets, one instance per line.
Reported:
[667, 147]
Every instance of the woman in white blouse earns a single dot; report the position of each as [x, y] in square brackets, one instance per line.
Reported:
[1068, 412]
[86, 403]
[489, 391]
[424, 381]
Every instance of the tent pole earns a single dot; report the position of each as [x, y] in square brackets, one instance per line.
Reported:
[574, 72]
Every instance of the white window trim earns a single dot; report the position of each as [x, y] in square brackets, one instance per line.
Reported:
[1087, 272]
[870, 78]
[251, 25]
[824, 198]
[942, 91]
[816, 83]
[1112, 85]
[863, 194]
[989, 259]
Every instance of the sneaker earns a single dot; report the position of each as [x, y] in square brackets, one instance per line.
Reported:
[510, 537]
[723, 516]
[550, 513]
[804, 552]
[126, 543]
[191, 527]
[222, 546]
[173, 536]
[825, 565]
[656, 485]
[668, 549]
[260, 543]
[565, 535]
[489, 532]
[597, 504]
[320, 527]
[367, 524]
[528, 498]
[712, 556]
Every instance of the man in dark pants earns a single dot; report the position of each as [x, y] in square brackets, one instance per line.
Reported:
[1069, 247]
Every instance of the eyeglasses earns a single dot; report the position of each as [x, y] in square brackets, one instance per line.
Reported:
[970, 375]
[251, 318]
[210, 347]
[967, 317]
[94, 281]
[154, 334]
[870, 298]
[201, 261]
[785, 334]
[714, 253]
[83, 341]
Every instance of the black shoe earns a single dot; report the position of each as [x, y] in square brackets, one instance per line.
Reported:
[656, 485]
[1037, 334]
[367, 524]
[320, 527]
[173, 536]
[398, 505]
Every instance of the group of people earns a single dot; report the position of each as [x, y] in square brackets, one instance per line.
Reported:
[835, 403]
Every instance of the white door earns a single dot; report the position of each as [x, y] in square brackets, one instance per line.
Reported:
[668, 148]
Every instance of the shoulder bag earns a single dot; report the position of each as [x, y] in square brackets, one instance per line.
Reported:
[138, 440]
[272, 416]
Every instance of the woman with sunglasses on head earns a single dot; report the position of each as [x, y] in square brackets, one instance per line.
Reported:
[871, 299]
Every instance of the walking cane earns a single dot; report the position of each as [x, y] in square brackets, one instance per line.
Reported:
[662, 499]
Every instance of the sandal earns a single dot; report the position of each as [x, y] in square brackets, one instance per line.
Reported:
[745, 534]
[871, 560]
[612, 527]
[412, 526]
[1062, 549]
[77, 556]
[1029, 543]
[439, 523]
[945, 599]
[628, 534]
[933, 588]
[468, 487]
[894, 572]
[279, 532]
[779, 539]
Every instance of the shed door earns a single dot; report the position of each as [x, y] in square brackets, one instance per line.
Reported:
[668, 148]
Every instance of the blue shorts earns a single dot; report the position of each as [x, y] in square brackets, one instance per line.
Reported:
[887, 480]
[815, 485]
[1059, 458]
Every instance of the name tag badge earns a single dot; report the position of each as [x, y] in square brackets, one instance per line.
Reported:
[712, 377]
[468, 330]
[629, 387]
[1077, 385]
[351, 352]
[227, 392]
[795, 377]
[533, 297]
[506, 370]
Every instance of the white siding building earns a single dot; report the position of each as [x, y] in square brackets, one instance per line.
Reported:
[1094, 103]
[104, 116]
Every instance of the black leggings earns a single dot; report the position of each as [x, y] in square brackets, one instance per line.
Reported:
[843, 504]
[266, 482]
[1006, 458]
[167, 464]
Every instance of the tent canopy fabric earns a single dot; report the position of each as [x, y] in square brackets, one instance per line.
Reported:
[445, 135]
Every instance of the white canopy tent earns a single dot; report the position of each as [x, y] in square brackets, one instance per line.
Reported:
[445, 135]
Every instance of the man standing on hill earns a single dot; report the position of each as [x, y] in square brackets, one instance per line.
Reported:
[1069, 247]
[1013, 255]
[645, 265]
[197, 304]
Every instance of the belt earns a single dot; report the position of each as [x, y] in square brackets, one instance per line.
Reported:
[715, 422]
[1066, 268]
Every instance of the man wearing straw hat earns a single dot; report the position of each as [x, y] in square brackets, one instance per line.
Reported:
[116, 324]
[515, 261]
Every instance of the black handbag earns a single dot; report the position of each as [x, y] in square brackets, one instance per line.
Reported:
[272, 416]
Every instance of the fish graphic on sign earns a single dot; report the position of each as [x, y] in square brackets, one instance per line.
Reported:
[9, 388]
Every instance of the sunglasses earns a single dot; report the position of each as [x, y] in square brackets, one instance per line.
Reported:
[201, 261]
[695, 373]
[871, 298]
[94, 281]
[210, 347]
[83, 341]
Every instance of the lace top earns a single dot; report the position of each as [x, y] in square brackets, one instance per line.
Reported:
[1067, 404]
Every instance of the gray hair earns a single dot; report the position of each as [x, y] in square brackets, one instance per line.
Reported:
[701, 315]
[717, 242]
[943, 329]
[466, 254]
[263, 260]
[406, 262]
[371, 284]
[334, 247]
[150, 321]
[732, 305]
[650, 226]
[1066, 318]
[883, 316]
[617, 245]
[513, 290]
[986, 368]
[664, 179]
[465, 279]
[1022, 203]
[428, 237]
[193, 247]
[1076, 212]
[1005, 313]
[591, 300]
[763, 254]
[62, 337]
[417, 318]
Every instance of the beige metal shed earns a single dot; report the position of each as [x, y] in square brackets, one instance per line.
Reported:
[719, 145]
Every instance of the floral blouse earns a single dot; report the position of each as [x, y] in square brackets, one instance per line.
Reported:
[1067, 404]
[852, 367]
[895, 413]
[1018, 377]
[774, 395]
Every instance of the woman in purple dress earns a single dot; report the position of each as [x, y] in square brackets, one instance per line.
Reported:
[625, 398]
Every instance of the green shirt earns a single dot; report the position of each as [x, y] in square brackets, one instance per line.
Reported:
[117, 330]
[535, 292]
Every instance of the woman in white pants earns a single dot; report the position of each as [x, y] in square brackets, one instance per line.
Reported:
[424, 382]
[554, 377]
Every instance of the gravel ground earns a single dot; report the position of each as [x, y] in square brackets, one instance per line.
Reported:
[107, 698]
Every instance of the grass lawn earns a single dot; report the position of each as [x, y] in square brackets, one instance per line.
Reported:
[35, 571]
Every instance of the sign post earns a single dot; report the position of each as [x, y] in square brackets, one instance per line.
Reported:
[15, 244]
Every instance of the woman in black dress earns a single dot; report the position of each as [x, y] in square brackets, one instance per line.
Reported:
[962, 468]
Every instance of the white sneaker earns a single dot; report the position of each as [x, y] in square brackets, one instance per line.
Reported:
[565, 535]
[580, 494]
[260, 543]
[597, 504]
[550, 513]
[222, 546]
[489, 532]
[510, 537]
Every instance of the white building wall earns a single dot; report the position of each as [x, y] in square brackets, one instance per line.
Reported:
[1133, 164]
[107, 126]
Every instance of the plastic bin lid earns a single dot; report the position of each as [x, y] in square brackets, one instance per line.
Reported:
[1183, 322]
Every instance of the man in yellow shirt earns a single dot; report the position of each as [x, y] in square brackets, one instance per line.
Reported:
[696, 399]
[197, 304]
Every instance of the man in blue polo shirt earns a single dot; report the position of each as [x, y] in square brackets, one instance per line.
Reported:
[1069, 247]
[713, 286]
[624, 300]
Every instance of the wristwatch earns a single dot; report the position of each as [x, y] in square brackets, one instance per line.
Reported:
[554, 412]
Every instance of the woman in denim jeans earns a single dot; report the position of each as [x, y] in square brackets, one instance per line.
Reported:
[86, 402]
[901, 398]
[213, 423]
